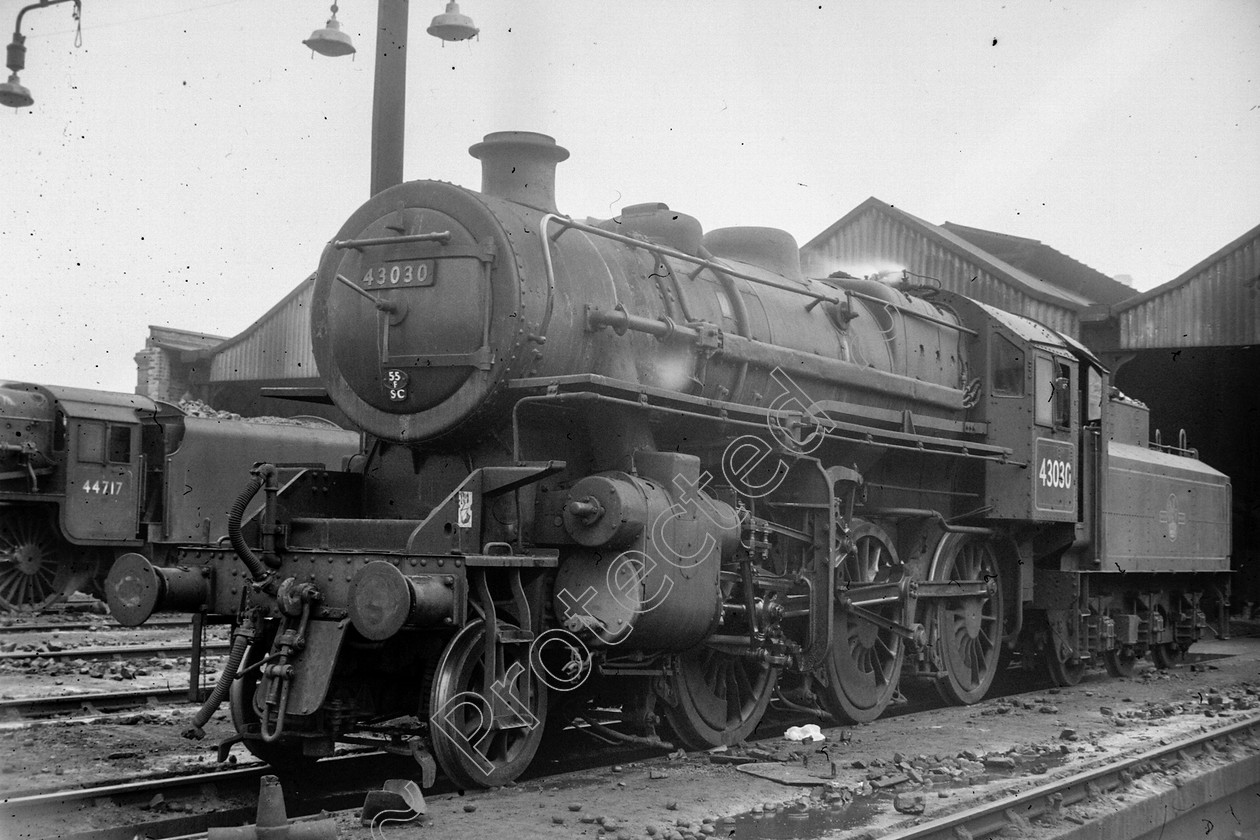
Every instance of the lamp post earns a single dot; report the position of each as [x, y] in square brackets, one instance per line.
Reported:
[13, 93]
[389, 100]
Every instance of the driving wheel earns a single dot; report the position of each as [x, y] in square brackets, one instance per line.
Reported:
[859, 677]
[33, 573]
[717, 698]
[968, 628]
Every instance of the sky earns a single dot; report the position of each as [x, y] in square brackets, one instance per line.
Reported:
[185, 166]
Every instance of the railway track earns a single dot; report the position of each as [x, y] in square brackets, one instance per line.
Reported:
[1019, 809]
[89, 705]
[187, 809]
[186, 806]
[43, 810]
[116, 651]
[73, 626]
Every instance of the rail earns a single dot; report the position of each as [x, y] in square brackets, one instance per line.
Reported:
[1181, 448]
[93, 653]
[96, 703]
[1017, 809]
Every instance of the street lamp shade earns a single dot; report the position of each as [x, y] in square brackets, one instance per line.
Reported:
[14, 94]
[451, 25]
[330, 40]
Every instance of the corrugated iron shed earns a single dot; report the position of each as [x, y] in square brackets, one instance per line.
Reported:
[876, 232]
[169, 338]
[1040, 260]
[1214, 304]
[276, 346]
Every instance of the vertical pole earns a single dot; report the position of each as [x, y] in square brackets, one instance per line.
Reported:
[389, 101]
[194, 662]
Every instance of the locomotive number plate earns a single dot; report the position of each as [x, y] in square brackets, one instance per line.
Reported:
[1054, 476]
[399, 273]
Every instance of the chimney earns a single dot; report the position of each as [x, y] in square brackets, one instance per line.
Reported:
[520, 166]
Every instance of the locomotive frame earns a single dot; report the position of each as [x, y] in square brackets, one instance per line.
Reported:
[624, 461]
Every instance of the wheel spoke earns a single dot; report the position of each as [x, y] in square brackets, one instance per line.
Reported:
[885, 649]
[744, 685]
[731, 694]
[7, 584]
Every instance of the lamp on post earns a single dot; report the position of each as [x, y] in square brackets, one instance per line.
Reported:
[389, 99]
[451, 25]
[330, 40]
[13, 93]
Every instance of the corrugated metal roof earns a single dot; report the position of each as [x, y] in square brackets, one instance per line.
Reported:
[875, 231]
[1045, 263]
[276, 346]
[1216, 303]
[169, 338]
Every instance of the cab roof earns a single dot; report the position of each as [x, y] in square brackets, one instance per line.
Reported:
[96, 405]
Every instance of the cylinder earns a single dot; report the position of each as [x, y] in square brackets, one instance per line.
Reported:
[648, 575]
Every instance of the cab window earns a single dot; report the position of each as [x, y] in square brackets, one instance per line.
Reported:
[1008, 367]
[1094, 412]
[59, 432]
[120, 444]
[91, 443]
[1053, 403]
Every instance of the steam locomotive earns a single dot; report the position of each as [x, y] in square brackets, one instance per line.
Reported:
[627, 462]
[86, 476]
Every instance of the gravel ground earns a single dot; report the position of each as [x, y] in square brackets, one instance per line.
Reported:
[885, 772]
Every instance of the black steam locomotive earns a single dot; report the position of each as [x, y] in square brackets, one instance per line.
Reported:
[86, 476]
[625, 462]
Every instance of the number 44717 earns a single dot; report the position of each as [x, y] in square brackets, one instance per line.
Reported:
[103, 488]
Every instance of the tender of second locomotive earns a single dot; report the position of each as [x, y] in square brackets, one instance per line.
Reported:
[629, 462]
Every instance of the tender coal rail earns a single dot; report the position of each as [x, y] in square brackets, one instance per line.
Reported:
[1220, 784]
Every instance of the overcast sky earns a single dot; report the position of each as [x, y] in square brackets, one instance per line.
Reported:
[185, 166]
